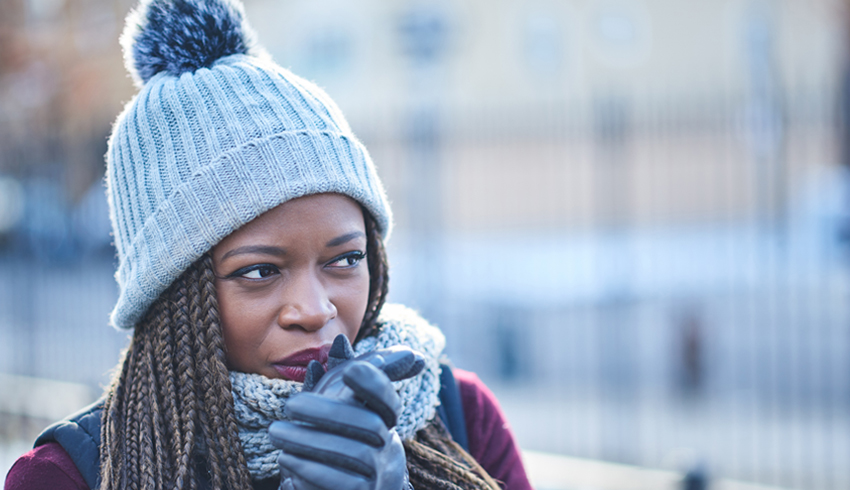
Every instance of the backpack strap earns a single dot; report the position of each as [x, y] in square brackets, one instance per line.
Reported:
[79, 436]
[450, 409]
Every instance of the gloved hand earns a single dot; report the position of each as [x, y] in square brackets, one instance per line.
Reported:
[397, 363]
[341, 435]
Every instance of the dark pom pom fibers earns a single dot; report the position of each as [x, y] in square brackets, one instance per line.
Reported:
[177, 36]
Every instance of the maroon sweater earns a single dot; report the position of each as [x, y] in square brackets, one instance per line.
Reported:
[491, 443]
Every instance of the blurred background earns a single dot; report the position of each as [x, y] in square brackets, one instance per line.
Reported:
[630, 218]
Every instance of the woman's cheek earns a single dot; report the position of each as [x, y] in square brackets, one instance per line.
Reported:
[354, 303]
[237, 318]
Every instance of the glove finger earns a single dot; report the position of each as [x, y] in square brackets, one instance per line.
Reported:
[315, 371]
[398, 362]
[340, 352]
[321, 476]
[402, 364]
[375, 389]
[329, 449]
[336, 417]
[417, 367]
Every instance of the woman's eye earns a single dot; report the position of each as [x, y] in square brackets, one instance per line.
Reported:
[348, 260]
[257, 272]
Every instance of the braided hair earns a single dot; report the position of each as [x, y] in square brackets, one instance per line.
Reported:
[169, 406]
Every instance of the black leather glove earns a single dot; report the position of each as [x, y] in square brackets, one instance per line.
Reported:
[341, 435]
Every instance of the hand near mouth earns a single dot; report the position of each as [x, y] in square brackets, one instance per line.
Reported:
[396, 362]
[341, 429]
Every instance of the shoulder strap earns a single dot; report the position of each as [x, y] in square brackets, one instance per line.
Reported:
[450, 409]
[79, 436]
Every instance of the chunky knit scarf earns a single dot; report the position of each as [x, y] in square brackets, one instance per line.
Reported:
[258, 400]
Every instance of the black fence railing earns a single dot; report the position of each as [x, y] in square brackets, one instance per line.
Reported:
[641, 282]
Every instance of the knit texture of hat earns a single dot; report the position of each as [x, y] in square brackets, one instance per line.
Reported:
[217, 135]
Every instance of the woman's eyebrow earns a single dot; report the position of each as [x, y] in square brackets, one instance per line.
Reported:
[345, 238]
[256, 249]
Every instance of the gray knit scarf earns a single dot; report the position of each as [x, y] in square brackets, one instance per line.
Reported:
[258, 400]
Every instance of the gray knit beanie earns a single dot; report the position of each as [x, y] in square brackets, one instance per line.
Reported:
[217, 135]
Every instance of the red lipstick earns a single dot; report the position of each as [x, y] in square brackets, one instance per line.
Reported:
[294, 366]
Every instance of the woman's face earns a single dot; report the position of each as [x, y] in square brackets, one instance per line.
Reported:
[289, 282]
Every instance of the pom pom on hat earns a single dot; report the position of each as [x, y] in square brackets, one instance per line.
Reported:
[177, 36]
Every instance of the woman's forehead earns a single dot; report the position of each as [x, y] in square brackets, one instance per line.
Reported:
[325, 218]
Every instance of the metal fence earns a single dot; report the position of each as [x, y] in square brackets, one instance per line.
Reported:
[660, 283]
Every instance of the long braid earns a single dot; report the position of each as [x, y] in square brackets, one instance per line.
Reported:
[131, 420]
[160, 473]
[186, 389]
[217, 397]
[146, 404]
[164, 353]
[221, 393]
[208, 416]
[171, 397]
[165, 314]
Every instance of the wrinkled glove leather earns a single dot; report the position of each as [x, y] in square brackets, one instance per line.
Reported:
[340, 434]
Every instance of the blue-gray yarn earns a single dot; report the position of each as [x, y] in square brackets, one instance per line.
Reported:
[178, 36]
[208, 145]
[259, 401]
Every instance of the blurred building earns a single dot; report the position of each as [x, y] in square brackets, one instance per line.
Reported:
[542, 97]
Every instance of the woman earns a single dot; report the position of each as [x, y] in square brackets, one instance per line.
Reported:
[249, 224]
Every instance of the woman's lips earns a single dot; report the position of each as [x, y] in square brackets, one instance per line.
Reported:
[294, 366]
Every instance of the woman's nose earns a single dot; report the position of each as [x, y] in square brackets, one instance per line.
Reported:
[306, 304]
